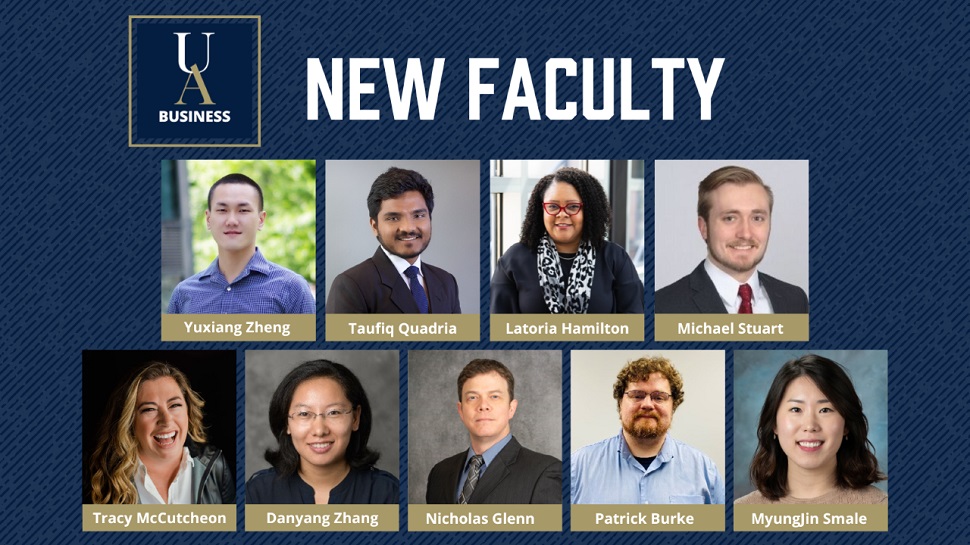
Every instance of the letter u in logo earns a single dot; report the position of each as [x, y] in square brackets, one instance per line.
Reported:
[193, 71]
[182, 35]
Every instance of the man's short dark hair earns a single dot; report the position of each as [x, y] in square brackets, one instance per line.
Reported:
[482, 367]
[394, 182]
[236, 178]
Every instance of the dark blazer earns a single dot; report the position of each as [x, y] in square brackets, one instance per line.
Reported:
[375, 287]
[696, 294]
[617, 288]
[516, 476]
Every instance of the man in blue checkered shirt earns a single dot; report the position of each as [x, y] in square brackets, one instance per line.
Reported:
[240, 280]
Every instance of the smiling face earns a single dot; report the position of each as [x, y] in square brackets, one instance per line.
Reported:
[403, 225]
[486, 409]
[809, 429]
[647, 419]
[323, 441]
[565, 231]
[737, 228]
[234, 217]
[161, 420]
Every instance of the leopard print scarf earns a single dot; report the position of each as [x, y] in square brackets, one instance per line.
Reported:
[580, 282]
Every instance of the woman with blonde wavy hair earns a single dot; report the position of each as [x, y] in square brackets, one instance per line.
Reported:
[151, 447]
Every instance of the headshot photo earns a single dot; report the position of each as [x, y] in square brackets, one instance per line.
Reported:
[380, 255]
[239, 237]
[647, 427]
[484, 427]
[322, 427]
[713, 223]
[810, 428]
[159, 427]
[567, 237]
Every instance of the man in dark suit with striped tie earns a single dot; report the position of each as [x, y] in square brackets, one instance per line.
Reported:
[496, 468]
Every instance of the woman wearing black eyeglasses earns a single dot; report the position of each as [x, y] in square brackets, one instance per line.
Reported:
[563, 263]
[321, 419]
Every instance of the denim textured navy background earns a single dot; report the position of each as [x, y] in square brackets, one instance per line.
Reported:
[874, 94]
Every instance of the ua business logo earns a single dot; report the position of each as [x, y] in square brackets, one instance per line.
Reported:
[194, 72]
[194, 81]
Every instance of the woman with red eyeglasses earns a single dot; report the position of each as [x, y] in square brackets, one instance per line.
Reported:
[563, 263]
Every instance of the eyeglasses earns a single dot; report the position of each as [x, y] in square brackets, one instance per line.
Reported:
[553, 208]
[640, 395]
[333, 416]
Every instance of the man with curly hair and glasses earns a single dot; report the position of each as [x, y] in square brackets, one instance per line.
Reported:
[643, 463]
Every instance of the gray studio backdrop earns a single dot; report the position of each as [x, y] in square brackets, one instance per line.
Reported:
[455, 222]
[435, 431]
[377, 370]
[755, 369]
[699, 421]
[679, 246]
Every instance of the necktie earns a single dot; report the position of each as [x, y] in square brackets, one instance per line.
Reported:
[416, 290]
[473, 466]
[745, 292]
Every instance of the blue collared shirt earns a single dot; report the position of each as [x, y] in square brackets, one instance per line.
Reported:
[607, 473]
[489, 456]
[262, 287]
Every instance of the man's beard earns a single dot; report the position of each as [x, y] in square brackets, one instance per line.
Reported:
[646, 428]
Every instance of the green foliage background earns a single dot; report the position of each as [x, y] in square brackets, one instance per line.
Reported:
[289, 236]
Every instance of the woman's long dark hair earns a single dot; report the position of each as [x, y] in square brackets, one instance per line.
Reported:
[597, 217]
[856, 466]
[286, 459]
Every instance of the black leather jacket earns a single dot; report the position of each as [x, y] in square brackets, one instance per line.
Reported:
[212, 479]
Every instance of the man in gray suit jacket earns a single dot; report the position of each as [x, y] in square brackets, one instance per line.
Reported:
[394, 280]
[734, 218]
[496, 469]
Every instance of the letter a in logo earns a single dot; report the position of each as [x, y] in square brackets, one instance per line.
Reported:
[194, 71]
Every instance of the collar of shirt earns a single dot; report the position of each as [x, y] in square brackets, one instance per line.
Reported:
[402, 264]
[180, 492]
[489, 456]
[257, 263]
[727, 289]
[665, 455]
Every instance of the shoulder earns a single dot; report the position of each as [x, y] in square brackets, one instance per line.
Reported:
[785, 297]
[518, 252]
[866, 495]
[363, 269]
[380, 483]
[779, 284]
[260, 486]
[262, 478]
[752, 498]
[674, 290]
[191, 282]
[538, 459]
[684, 450]
[612, 250]
[278, 271]
[437, 271]
[204, 453]
[596, 451]
[450, 461]
[677, 297]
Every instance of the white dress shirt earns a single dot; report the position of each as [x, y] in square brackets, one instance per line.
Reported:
[727, 289]
[402, 265]
[180, 492]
